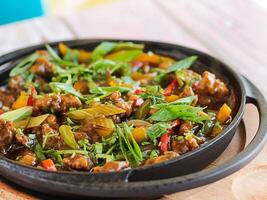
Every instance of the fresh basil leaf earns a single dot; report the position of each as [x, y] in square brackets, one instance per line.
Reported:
[24, 65]
[184, 112]
[66, 88]
[185, 101]
[157, 130]
[182, 64]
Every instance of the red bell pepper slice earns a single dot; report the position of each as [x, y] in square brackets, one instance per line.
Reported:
[138, 91]
[170, 88]
[49, 165]
[165, 141]
[175, 123]
[33, 92]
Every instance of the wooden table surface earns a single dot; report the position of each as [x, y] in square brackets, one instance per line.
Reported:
[233, 30]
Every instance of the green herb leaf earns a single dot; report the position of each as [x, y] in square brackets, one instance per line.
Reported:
[184, 112]
[17, 114]
[52, 53]
[56, 57]
[157, 130]
[94, 89]
[102, 49]
[185, 101]
[182, 64]
[128, 45]
[154, 153]
[115, 88]
[126, 55]
[71, 55]
[24, 65]
[38, 150]
[66, 88]
[143, 110]
[131, 150]
[100, 66]
[136, 147]
[55, 154]
[72, 152]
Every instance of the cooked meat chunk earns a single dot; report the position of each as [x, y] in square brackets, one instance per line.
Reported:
[28, 158]
[43, 68]
[80, 135]
[22, 139]
[210, 89]
[43, 85]
[51, 120]
[78, 162]
[69, 101]
[167, 156]
[49, 126]
[7, 132]
[112, 166]
[91, 131]
[115, 96]
[7, 98]
[127, 106]
[183, 145]
[185, 127]
[56, 103]
[15, 84]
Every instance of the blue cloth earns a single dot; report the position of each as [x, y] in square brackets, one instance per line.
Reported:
[15, 10]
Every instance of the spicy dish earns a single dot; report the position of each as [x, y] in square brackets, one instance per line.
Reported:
[110, 109]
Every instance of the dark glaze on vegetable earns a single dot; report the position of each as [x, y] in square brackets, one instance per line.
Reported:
[111, 109]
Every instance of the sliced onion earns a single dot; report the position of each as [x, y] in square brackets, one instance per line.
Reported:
[103, 126]
[138, 122]
[97, 111]
[31, 122]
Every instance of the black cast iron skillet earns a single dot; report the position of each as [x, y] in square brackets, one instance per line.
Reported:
[178, 174]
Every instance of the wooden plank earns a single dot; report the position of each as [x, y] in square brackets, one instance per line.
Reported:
[132, 19]
[232, 30]
[26, 33]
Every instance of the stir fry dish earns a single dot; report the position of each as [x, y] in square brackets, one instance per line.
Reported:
[110, 109]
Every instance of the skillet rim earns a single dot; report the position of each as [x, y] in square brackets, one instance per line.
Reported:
[81, 42]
